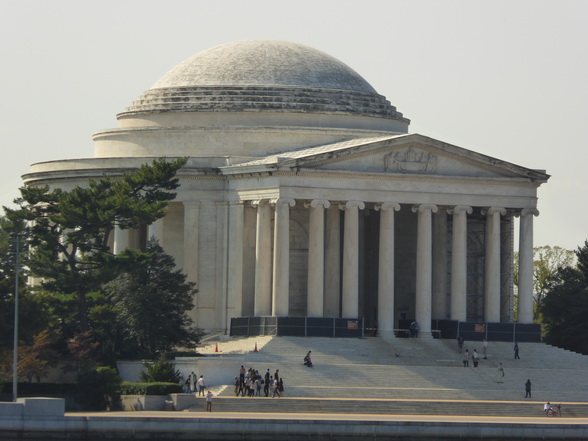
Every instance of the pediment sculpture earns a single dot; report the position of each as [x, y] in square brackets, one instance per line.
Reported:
[409, 160]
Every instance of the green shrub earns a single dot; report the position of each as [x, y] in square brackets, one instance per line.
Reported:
[160, 371]
[51, 389]
[150, 388]
[99, 389]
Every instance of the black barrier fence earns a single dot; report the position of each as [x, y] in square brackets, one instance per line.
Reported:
[297, 326]
[478, 331]
[354, 327]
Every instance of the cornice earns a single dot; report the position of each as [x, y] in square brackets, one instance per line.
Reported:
[328, 174]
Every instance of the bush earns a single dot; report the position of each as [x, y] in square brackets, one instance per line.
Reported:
[150, 388]
[160, 371]
[99, 389]
[43, 389]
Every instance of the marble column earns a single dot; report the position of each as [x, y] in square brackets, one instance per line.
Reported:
[281, 278]
[121, 240]
[316, 258]
[459, 262]
[332, 305]
[525, 302]
[191, 236]
[386, 269]
[263, 264]
[424, 267]
[492, 267]
[350, 295]
[235, 260]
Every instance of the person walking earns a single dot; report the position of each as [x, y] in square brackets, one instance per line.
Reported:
[188, 384]
[460, 343]
[500, 374]
[201, 386]
[466, 358]
[516, 351]
[237, 386]
[276, 388]
[266, 383]
[528, 389]
[193, 384]
[475, 358]
[281, 387]
[209, 401]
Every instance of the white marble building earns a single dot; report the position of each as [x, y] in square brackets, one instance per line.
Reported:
[305, 195]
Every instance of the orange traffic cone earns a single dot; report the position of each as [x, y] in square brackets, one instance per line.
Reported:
[255, 350]
[216, 348]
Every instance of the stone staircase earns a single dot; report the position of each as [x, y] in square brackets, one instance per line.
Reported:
[406, 376]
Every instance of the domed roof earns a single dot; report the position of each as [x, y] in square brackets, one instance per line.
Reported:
[263, 76]
[264, 63]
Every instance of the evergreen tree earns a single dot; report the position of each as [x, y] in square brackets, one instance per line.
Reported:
[69, 230]
[152, 302]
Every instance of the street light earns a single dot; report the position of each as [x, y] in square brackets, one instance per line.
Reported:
[15, 350]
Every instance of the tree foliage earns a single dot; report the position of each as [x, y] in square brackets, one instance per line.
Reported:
[547, 260]
[565, 305]
[37, 359]
[69, 231]
[160, 371]
[153, 300]
[34, 314]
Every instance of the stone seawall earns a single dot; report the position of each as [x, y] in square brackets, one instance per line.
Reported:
[44, 419]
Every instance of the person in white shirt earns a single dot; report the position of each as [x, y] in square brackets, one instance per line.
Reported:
[201, 385]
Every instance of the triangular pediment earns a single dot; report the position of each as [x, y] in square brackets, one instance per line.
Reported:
[402, 154]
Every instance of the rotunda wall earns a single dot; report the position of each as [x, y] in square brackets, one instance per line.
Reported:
[263, 119]
[217, 141]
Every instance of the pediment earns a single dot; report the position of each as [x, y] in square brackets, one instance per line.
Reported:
[406, 155]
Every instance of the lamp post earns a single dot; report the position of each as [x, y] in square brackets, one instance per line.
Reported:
[15, 351]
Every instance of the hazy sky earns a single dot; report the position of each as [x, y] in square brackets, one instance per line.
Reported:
[508, 79]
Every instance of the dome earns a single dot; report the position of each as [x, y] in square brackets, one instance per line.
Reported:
[264, 63]
[263, 75]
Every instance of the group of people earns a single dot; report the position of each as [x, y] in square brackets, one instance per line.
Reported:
[197, 385]
[193, 385]
[251, 383]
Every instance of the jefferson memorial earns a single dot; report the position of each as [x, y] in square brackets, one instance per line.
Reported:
[305, 196]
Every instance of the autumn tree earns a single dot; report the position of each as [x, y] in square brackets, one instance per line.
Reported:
[36, 360]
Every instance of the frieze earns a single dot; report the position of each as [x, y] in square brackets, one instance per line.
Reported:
[410, 160]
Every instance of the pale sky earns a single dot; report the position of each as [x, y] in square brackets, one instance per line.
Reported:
[505, 78]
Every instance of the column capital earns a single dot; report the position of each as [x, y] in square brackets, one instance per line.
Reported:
[317, 203]
[460, 209]
[527, 212]
[424, 207]
[352, 204]
[493, 210]
[259, 202]
[387, 206]
[282, 201]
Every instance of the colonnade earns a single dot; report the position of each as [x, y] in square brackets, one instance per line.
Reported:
[325, 296]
